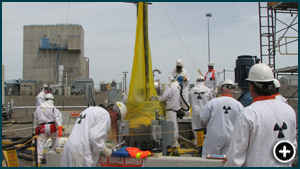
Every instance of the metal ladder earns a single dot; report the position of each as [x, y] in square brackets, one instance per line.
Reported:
[267, 23]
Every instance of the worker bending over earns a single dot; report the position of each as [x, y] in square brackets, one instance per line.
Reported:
[219, 114]
[261, 125]
[198, 97]
[87, 139]
[48, 118]
[212, 79]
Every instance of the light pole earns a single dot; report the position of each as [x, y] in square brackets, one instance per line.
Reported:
[208, 15]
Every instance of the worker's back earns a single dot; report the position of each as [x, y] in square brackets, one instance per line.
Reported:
[270, 121]
[87, 138]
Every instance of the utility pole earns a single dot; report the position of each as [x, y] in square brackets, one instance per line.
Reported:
[125, 79]
[123, 86]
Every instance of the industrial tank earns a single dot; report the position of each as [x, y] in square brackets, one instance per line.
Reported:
[243, 65]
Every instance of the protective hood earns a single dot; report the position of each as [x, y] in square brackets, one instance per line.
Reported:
[47, 104]
[41, 94]
[200, 87]
[175, 70]
[175, 84]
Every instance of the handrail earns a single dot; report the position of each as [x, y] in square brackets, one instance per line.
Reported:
[34, 107]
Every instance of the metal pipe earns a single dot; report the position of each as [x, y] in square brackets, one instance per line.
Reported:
[35, 152]
[208, 15]
[164, 137]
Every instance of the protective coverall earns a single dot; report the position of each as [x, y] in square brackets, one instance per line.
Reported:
[173, 99]
[47, 116]
[185, 88]
[219, 114]
[279, 97]
[40, 98]
[255, 136]
[198, 97]
[211, 82]
[87, 139]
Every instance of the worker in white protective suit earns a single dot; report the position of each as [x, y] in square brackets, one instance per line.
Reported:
[49, 125]
[87, 139]
[212, 79]
[277, 95]
[172, 100]
[261, 125]
[198, 97]
[124, 96]
[40, 97]
[179, 70]
[219, 114]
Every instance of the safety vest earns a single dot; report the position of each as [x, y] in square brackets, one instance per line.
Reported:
[137, 153]
[213, 74]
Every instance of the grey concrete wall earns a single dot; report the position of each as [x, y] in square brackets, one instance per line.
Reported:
[41, 65]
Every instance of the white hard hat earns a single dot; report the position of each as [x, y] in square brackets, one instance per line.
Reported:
[211, 64]
[49, 96]
[120, 107]
[45, 85]
[200, 79]
[276, 83]
[179, 62]
[260, 72]
[114, 80]
[227, 82]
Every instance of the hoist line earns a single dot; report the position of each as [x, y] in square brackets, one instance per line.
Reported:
[179, 36]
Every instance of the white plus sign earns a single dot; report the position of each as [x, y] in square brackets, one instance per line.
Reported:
[284, 151]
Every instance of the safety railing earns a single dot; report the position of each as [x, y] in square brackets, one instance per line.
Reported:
[59, 107]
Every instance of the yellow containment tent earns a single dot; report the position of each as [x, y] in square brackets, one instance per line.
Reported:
[140, 110]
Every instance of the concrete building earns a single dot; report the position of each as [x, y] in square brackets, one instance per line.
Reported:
[54, 54]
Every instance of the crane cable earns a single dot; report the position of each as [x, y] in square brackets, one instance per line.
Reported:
[64, 33]
[198, 70]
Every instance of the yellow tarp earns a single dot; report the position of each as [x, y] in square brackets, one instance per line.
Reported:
[141, 84]
[140, 110]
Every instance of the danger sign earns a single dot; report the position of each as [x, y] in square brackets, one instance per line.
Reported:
[120, 161]
[11, 158]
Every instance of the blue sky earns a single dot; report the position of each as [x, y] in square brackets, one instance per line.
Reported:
[110, 27]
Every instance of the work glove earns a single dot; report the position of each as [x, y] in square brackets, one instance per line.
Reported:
[184, 78]
[157, 97]
[187, 114]
[109, 145]
[107, 152]
[59, 131]
[216, 91]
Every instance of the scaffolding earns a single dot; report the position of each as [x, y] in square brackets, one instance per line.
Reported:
[269, 23]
